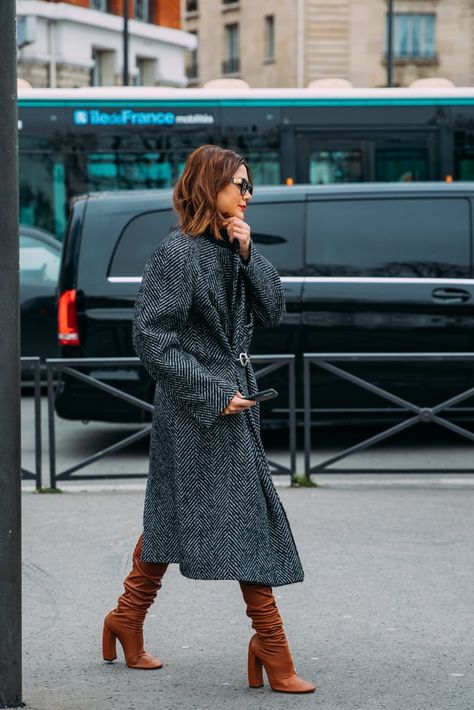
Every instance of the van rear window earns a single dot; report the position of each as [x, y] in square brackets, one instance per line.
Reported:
[417, 237]
[141, 236]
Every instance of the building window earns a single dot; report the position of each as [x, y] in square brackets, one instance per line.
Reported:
[192, 69]
[231, 65]
[98, 5]
[145, 74]
[414, 36]
[102, 72]
[96, 71]
[142, 10]
[270, 37]
[192, 6]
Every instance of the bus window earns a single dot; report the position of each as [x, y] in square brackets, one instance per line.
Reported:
[42, 188]
[132, 171]
[265, 168]
[329, 166]
[402, 165]
[261, 150]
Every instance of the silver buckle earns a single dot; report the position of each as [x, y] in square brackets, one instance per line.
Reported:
[244, 359]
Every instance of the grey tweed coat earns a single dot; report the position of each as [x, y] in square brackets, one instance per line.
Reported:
[210, 502]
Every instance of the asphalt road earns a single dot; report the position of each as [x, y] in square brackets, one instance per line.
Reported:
[383, 620]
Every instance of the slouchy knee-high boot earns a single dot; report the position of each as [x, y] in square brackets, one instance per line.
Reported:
[269, 646]
[125, 622]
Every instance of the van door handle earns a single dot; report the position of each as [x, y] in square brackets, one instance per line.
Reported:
[451, 295]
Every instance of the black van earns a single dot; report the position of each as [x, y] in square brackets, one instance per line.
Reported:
[365, 268]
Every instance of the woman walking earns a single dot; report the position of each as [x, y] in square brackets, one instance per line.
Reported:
[210, 502]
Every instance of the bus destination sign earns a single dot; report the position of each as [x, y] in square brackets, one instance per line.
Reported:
[130, 117]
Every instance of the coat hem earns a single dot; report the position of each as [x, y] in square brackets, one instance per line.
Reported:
[203, 576]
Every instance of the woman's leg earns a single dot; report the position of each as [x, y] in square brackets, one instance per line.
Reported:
[125, 622]
[269, 646]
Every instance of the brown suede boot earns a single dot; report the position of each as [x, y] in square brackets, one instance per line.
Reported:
[269, 647]
[125, 623]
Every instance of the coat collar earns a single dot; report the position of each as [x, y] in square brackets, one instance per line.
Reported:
[224, 242]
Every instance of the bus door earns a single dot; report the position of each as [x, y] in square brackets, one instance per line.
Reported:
[324, 159]
[382, 156]
[404, 156]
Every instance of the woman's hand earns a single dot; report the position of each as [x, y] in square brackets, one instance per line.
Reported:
[240, 230]
[238, 404]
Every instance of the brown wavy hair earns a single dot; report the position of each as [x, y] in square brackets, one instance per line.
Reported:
[208, 170]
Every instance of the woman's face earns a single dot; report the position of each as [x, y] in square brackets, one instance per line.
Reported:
[230, 202]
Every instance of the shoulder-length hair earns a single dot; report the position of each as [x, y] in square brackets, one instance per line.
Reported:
[208, 170]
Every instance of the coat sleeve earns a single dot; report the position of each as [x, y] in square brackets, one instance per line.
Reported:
[264, 289]
[161, 312]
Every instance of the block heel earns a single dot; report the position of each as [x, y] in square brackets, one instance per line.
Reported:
[109, 645]
[255, 671]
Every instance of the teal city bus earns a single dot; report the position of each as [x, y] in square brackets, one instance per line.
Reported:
[81, 140]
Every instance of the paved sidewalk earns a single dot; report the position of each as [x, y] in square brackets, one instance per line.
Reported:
[383, 621]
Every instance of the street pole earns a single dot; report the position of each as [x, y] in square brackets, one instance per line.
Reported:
[390, 43]
[10, 481]
[125, 42]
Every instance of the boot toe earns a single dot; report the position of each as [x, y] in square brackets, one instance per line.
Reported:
[145, 662]
[293, 685]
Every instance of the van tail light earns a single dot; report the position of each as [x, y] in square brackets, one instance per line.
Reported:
[68, 333]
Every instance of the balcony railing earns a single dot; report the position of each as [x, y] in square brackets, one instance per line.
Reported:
[231, 66]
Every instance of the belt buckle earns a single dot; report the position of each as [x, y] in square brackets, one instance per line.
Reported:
[244, 359]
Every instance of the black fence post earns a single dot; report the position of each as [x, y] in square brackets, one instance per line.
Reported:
[292, 422]
[38, 451]
[307, 416]
[10, 422]
[51, 424]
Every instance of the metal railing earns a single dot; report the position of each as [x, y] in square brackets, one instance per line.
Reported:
[275, 362]
[264, 365]
[418, 413]
[72, 367]
[34, 364]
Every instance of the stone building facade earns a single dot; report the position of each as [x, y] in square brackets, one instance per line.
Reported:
[293, 42]
[79, 43]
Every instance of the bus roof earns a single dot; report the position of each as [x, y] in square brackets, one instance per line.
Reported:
[445, 95]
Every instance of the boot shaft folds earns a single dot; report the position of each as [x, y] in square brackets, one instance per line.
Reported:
[269, 647]
[125, 622]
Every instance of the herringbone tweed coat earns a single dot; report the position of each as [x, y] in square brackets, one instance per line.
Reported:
[210, 502]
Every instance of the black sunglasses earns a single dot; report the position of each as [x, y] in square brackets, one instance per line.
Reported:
[243, 184]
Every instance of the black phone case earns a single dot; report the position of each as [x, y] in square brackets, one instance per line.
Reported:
[263, 395]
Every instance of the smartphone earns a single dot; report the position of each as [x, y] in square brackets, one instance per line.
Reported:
[263, 395]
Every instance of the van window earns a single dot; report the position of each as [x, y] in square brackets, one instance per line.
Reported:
[277, 231]
[405, 237]
[141, 236]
